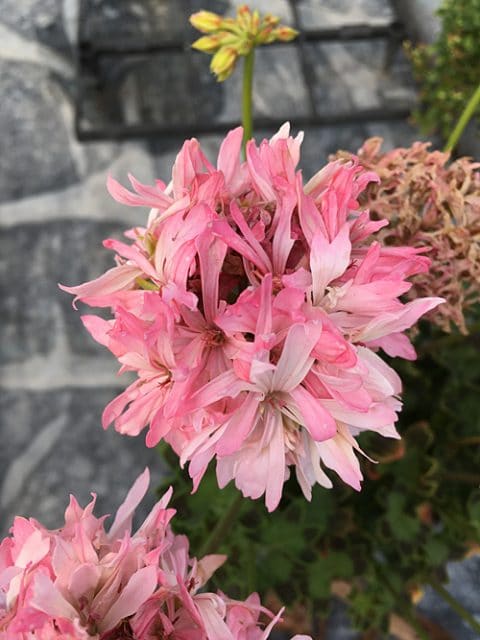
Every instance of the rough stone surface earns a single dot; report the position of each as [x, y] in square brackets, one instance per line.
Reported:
[34, 311]
[318, 14]
[31, 122]
[53, 445]
[358, 76]
[41, 20]
[277, 73]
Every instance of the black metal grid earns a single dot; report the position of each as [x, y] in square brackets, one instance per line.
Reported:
[104, 59]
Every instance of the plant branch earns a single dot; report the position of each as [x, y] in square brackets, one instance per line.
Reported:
[455, 605]
[464, 119]
[247, 98]
[404, 608]
[223, 525]
[462, 477]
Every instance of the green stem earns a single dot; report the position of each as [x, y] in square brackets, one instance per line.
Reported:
[455, 605]
[223, 525]
[405, 609]
[247, 94]
[463, 120]
[468, 440]
[464, 477]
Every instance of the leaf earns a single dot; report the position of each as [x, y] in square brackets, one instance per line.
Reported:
[324, 569]
[403, 526]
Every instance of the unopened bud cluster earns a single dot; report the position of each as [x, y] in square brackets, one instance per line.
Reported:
[229, 38]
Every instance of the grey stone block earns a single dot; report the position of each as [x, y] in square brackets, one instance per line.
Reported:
[319, 14]
[278, 89]
[41, 20]
[34, 146]
[34, 258]
[419, 16]
[53, 445]
[352, 76]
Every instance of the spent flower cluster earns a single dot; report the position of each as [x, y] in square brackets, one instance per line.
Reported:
[251, 307]
[81, 582]
[434, 204]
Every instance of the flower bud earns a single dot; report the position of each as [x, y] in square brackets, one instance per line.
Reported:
[285, 34]
[223, 62]
[206, 21]
[207, 44]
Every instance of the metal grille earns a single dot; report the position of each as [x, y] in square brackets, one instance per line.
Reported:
[138, 76]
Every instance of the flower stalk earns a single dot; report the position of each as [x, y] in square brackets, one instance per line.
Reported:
[455, 605]
[229, 516]
[463, 121]
[247, 99]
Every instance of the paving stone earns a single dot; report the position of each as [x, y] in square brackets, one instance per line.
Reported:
[53, 445]
[34, 146]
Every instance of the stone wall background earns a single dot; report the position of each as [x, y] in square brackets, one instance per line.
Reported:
[55, 212]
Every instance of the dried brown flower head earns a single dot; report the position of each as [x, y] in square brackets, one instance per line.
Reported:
[434, 204]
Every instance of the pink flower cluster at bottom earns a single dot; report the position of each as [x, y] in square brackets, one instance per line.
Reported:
[81, 582]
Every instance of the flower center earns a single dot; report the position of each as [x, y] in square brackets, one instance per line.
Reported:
[214, 337]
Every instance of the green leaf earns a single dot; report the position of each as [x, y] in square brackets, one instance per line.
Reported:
[324, 569]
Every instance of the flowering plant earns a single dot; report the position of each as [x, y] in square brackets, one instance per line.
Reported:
[81, 581]
[259, 314]
[250, 308]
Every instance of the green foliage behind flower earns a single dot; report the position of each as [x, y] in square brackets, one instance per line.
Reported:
[419, 506]
[448, 71]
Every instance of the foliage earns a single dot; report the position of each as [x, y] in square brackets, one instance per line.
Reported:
[447, 70]
[419, 506]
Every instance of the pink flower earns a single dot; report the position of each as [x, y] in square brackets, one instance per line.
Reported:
[251, 308]
[81, 581]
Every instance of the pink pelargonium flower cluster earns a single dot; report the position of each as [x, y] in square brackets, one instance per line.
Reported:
[82, 582]
[251, 308]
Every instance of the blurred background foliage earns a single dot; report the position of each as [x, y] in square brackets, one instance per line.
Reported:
[447, 71]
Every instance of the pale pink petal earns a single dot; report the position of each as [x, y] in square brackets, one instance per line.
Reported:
[275, 460]
[258, 173]
[137, 591]
[296, 360]
[238, 426]
[328, 260]
[312, 413]
[207, 566]
[212, 613]
[116, 279]
[387, 323]
[123, 517]
[395, 345]
[229, 157]
[48, 599]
